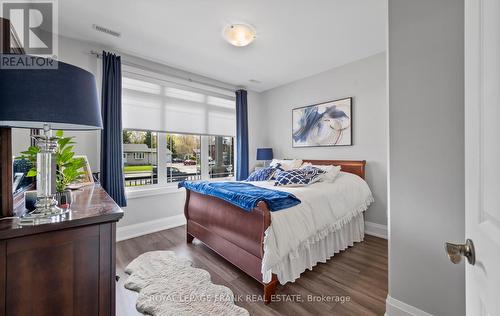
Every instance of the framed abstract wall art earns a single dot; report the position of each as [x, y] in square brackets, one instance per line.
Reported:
[323, 124]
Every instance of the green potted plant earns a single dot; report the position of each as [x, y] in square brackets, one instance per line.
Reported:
[68, 168]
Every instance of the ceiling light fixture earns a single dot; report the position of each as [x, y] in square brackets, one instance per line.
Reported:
[239, 34]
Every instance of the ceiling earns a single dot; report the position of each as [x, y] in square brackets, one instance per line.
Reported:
[295, 39]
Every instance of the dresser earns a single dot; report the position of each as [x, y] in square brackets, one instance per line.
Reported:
[66, 267]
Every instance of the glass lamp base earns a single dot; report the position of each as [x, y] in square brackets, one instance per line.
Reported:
[46, 212]
[46, 207]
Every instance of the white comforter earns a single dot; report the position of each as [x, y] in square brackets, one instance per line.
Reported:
[325, 209]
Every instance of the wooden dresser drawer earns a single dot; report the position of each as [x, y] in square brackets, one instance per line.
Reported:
[64, 268]
[68, 272]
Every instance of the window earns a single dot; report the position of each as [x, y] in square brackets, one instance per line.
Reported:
[154, 102]
[139, 155]
[185, 157]
[169, 128]
[142, 147]
[221, 156]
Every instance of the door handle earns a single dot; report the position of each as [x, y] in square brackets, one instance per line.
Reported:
[457, 251]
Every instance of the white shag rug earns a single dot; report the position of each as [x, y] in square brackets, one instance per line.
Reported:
[169, 285]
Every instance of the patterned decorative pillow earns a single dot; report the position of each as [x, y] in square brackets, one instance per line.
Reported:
[313, 174]
[294, 177]
[263, 174]
[331, 171]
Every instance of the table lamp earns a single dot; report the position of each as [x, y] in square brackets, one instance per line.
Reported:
[265, 154]
[62, 98]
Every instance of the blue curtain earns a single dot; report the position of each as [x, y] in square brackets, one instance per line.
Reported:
[111, 136]
[241, 135]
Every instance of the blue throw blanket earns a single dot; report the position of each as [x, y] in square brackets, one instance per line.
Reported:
[243, 195]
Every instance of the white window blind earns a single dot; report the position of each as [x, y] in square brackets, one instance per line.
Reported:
[152, 101]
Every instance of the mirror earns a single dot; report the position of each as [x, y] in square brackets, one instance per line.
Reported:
[21, 140]
[21, 181]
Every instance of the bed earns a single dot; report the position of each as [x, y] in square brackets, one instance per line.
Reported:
[276, 247]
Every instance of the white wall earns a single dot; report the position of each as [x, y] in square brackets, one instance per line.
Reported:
[256, 126]
[152, 208]
[365, 81]
[78, 53]
[20, 140]
[426, 106]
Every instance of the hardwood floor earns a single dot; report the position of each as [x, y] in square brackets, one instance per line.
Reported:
[358, 274]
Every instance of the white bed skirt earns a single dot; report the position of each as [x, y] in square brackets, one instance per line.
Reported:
[290, 267]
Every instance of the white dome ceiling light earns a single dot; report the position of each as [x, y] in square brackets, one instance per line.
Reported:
[239, 34]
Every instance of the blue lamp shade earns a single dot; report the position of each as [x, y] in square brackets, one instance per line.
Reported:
[65, 98]
[264, 153]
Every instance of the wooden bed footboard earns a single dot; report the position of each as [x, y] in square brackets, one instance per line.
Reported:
[237, 235]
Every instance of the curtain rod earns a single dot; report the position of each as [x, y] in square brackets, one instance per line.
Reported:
[126, 62]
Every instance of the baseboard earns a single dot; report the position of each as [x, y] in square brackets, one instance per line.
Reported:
[136, 230]
[398, 308]
[376, 230]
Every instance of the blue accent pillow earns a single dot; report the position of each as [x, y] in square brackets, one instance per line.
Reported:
[294, 177]
[262, 174]
[314, 174]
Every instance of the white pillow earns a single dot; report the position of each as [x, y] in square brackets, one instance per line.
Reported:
[287, 164]
[331, 171]
[305, 164]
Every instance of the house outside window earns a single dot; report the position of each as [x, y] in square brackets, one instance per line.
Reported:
[174, 133]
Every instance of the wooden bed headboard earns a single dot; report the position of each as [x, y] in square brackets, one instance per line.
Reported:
[352, 166]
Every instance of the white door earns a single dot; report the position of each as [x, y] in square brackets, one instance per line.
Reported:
[482, 154]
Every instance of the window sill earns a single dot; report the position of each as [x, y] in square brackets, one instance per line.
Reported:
[222, 179]
[151, 190]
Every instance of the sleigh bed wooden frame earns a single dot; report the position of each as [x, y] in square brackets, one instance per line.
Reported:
[236, 235]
